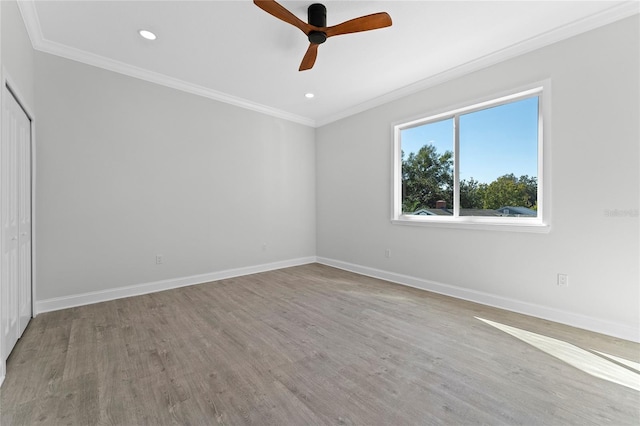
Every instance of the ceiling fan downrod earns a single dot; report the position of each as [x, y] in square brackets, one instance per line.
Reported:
[317, 16]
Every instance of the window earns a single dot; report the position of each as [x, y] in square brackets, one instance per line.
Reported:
[479, 165]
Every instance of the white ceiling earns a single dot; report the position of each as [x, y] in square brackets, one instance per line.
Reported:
[235, 52]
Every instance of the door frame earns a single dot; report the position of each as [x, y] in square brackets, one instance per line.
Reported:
[13, 89]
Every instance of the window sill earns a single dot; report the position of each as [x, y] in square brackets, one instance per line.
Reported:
[476, 224]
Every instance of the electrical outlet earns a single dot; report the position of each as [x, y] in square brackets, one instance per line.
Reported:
[387, 253]
[563, 280]
[159, 259]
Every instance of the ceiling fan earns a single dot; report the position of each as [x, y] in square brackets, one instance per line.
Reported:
[317, 30]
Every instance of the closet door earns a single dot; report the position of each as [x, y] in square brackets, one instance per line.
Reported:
[15, 220]
[9, 211]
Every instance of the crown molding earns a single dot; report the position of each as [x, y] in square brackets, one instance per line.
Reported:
[575, 28]
[32, 23]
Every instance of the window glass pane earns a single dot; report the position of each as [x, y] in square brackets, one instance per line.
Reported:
[499, 160]
[427, 169]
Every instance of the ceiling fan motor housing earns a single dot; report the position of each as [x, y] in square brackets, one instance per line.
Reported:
[317, 16]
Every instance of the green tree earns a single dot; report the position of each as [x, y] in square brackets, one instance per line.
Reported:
[427, 177]
[472, 194]
[531, 189]
[509, 190]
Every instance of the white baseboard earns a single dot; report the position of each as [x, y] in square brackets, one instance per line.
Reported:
[623, 331]
[72, 301]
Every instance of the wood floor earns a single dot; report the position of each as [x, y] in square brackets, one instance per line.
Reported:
[303, 346]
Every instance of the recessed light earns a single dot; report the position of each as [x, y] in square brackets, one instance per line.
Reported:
[309, 95]
[147, 34]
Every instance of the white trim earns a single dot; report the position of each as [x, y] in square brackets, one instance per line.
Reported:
[165, 80]
[8, 81]
[474, 223]
[588, 23]
[34, 286]
[34, 29]
[598, 325]
[82, 299]
[541, 223]
[500, 98]
[32, 23]
[615, 329]
[3, 364]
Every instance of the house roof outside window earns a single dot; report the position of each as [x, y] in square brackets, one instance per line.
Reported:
[508, 211]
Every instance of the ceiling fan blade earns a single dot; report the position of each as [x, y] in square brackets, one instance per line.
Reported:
[309, 57]
[363, 23]
[277, 10]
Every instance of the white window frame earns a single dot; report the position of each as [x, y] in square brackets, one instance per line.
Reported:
[541, 223]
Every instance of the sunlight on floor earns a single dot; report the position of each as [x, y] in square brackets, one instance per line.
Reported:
[631, 364]
[606, 366]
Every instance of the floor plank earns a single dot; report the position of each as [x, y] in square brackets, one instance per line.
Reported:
[304, 346]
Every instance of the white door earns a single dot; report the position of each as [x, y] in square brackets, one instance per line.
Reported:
[15, 219]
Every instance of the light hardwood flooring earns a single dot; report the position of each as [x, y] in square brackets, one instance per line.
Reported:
[303, 346]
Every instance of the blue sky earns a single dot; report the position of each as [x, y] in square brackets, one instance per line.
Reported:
[493, 142]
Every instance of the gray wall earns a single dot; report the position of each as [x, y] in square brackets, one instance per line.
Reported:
[17, 53]
[129, 169]
[594, 167]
